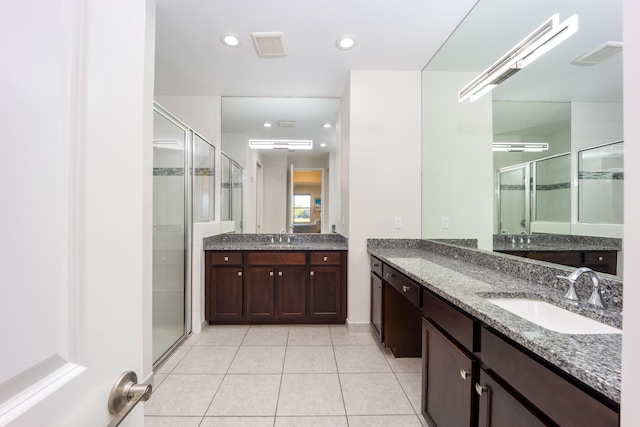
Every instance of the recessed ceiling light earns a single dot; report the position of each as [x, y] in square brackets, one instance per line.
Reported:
[267, 124]
[326, 125]
[346, 42]
[323, 145]
[230, 40]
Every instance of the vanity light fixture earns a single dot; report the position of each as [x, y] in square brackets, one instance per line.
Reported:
[519, 147]
[230, 40]
[326, 125]
[287, 144]
[346, 42]
[541, 40]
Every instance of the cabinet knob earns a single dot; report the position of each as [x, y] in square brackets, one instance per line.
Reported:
[271, 273]
[325, 259]
[239, 273]
[480, 389]
[405, 288]
[376, 265]
[312, 274]
[600, 258]
[464, 374]
[226, 259]
[389, 275]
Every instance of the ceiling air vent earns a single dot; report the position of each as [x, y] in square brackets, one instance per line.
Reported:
[599, 54]
[286, 124]
[269, 45]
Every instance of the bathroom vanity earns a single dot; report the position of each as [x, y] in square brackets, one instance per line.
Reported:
[483, 365]
[252, 278]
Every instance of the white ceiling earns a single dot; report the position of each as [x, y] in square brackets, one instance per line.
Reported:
[403, 35]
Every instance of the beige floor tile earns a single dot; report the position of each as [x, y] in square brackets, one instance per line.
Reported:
[183, 395]
[267, 335]
[246, 395]
[385, 421]
[309, 335]
[403, 364]
[310, 394]
[315, 359]
[206, 359]
[259, 359]
[411, 383]
[340, 336]
[317, 421]
[223, 335]
[352, 359]
[237, 422]
[172, 421]
[173, 360]
[374, 394]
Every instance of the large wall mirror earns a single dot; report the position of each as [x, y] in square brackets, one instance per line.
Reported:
[576, 108]
[275, 176]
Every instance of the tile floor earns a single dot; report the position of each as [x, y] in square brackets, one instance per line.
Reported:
[285, 376]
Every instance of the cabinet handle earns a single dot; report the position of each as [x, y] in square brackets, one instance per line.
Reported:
[480, 389]
[600, 258]
[271, 273]
[464, 374]
[239, 273]
[376, 265]
[325, 259]
[405, 288]
[226, 259]
[279, 273]
[389, 275]
[312, 274]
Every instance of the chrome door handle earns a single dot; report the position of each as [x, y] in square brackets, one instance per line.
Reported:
[125, 394]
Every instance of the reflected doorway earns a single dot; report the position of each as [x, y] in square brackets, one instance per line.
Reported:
[307, 198]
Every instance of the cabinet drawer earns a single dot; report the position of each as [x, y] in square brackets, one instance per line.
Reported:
[225, 258]
[322, 258]
[456, 323]
[276, 258]
[409, 289]
[376, 266]
[562, 401]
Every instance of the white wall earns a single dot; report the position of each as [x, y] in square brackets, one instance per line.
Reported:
[457, 161]
[274, 169]
[631, 337]
[384, 170]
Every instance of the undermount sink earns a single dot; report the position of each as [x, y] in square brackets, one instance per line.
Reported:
[278, 245]
[552, 317]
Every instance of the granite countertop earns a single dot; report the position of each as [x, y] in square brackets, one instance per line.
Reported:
[271, 242]
[554, 243]
[448, 272]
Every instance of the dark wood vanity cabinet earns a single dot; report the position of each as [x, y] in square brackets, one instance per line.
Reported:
[376, 298]
[402, 316]
[224, 287]
[473, 375]
[599, 261]
[275, 287]
[447, 380]
[327, 296]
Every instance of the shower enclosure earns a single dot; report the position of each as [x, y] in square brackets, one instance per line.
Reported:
[179, 200]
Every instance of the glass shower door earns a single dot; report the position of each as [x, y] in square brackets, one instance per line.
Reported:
[169, 234]
[514, 200]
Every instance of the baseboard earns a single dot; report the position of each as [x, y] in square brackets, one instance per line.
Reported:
[358, 326]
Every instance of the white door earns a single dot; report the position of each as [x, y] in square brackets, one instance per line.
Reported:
[75, 216]
[289, 228]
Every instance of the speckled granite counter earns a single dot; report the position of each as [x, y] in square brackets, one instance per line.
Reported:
[554, 242]
[466, 277]
[271, 242]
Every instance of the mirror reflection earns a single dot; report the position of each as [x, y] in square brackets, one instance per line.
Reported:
[573, 106]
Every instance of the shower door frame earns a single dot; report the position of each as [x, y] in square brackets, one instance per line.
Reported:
[188, 235]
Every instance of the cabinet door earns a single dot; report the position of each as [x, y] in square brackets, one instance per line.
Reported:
[376, 306]
[291, 293]
[224, 294]
[498, 407]
[447, 380]
[260, 293]
[325, 288]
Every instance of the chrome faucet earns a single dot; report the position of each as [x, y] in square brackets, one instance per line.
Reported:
[524, 233]
[596, 296]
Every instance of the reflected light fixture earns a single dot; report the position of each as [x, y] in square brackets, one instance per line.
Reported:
[267, 124]
[323, 145]
[519, 147]
[286, 144]
[541, 40]
[326, 125]
[230, 40]
[346, 42]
